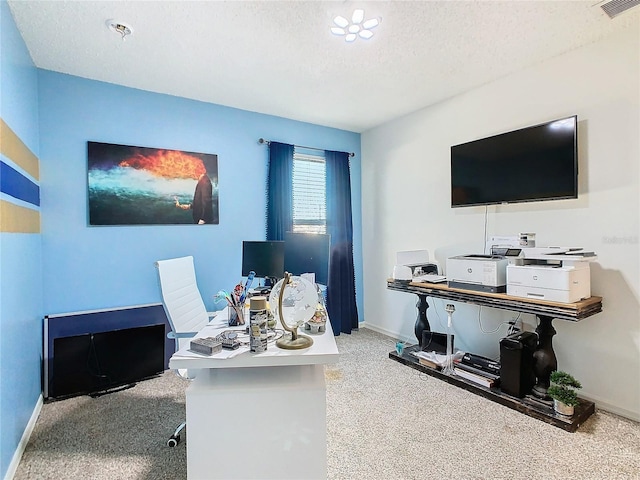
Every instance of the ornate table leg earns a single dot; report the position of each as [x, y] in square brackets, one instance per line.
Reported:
[544, 358]
[421, 322]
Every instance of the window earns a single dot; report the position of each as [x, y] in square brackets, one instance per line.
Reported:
[309, 193]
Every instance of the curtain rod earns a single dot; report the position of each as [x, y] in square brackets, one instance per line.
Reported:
[268, 142]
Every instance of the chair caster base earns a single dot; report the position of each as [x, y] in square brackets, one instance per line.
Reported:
[173, 441]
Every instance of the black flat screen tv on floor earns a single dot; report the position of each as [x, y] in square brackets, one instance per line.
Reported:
[534, 163]
[97, 362]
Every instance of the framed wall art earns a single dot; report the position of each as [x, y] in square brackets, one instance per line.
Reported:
[131, 185]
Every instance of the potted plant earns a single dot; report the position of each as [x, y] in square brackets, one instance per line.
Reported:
[562, 391]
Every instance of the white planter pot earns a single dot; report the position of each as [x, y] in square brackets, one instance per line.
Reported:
[563, 409]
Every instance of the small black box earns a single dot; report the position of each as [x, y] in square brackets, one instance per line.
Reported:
[517, 377]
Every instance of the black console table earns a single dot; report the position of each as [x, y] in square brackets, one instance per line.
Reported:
[545, 360]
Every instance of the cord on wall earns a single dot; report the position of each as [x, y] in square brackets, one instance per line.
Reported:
[511, 323]
[433, 301]
[484, 241]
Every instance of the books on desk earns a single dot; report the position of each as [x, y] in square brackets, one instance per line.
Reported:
[468, 372]
[429, 363]
[435, 360]
[476, 375]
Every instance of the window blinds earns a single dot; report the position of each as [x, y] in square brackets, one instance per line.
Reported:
[309, 193]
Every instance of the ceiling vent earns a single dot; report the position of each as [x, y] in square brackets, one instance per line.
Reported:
[616, 7]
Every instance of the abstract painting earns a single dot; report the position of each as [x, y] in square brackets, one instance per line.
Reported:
[150, 186]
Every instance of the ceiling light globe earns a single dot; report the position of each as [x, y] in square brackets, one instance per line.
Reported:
[358, 15]
[338, 31]
[341, 21]
[372, 23]
[350, 37]
[366, 34]
[354, 28]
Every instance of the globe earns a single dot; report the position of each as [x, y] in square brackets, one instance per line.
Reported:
[299, 301]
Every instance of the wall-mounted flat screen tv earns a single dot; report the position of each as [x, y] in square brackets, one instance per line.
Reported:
[534, 163]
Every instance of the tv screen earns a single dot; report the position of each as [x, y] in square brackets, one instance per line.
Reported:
[96, 362]
[307, 253]
[534, 163]
[265, 258]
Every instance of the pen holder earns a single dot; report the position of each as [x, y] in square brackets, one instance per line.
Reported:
[235, 316]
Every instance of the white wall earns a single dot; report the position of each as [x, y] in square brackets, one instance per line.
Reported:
[406, 205]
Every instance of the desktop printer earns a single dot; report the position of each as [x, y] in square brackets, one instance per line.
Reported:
[413, 264]
[556, 274]
[483, 273]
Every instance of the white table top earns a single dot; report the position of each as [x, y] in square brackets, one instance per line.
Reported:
[323, 351]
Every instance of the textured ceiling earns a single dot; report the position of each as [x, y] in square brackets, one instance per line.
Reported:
[279, 58]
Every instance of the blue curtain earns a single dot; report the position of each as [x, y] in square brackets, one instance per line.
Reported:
[279, 191]
[341, 288]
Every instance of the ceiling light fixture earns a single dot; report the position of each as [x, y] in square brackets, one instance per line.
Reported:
[120, 28]
[357, 27]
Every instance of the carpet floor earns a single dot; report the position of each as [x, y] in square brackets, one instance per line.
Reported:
[384, 421]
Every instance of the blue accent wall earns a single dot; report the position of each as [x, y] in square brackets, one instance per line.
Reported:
[20, 255]
[71, 266]
[89, 267]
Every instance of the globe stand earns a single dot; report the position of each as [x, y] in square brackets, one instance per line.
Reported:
[297, 341]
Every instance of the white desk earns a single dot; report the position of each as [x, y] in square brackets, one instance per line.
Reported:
[257, 416]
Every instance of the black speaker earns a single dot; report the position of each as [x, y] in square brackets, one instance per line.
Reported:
[516, 363]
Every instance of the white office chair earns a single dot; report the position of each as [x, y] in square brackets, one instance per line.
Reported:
[184, 308]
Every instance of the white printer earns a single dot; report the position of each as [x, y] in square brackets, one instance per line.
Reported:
[412, 264]
[483, 273]
[556, 274]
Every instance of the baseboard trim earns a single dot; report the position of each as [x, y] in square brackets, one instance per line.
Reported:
[607, 407]
[388, 333]
[22, 445]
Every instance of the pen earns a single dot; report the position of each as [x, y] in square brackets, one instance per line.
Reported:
[246, 287]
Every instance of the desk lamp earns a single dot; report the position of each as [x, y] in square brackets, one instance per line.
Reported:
[300, 301]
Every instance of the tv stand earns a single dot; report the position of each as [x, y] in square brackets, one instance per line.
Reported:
[545, 360]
